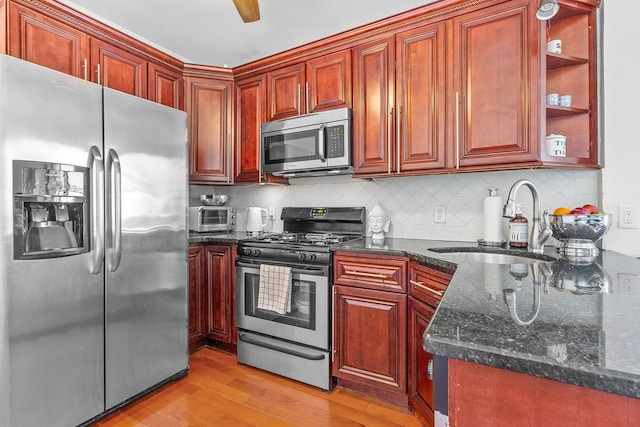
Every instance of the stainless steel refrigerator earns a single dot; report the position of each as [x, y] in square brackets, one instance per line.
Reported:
[94, 247]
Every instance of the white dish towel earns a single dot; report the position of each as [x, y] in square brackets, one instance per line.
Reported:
[274, 291]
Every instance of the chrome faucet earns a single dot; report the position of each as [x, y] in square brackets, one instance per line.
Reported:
[539, 233]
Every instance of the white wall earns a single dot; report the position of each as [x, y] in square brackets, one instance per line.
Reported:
[621, 175]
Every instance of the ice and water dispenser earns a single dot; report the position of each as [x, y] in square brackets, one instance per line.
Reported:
[51, 209]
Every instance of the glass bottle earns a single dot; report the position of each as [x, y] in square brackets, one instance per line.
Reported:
[519, 230]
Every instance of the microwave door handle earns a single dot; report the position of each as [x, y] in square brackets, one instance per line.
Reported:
[321, 143]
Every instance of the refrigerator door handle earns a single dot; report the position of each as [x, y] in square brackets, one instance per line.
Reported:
[114, 209]
[96, 167]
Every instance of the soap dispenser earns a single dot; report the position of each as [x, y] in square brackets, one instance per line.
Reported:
[519, 230]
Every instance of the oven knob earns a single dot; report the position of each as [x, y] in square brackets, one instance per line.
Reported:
[302, 256]
[246, 251]
[256, 252]
[312, 257]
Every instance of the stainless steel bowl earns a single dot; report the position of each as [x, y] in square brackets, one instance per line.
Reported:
[214, 199]
[577, 234]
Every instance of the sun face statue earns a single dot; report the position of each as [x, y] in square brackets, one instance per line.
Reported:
[379, 223]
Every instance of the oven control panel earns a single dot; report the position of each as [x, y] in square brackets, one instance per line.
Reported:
[285, 255]
[319, 212]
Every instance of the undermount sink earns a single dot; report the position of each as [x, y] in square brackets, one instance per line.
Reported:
[492, 255]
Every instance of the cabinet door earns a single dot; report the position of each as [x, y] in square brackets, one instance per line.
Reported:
[370, 344]
[251, 106]
[496, 81]
[420, 374]
[420, 94]
[218, 292]
[166, 86]
[373, 100]
[47, 42]
[118, 69]
[286, 92]
[196, 297]
[328, 82]
[210, 114]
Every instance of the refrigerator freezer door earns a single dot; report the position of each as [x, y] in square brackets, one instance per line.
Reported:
[146, 260]
[51, 310]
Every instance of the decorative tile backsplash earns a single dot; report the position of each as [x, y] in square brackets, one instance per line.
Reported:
[410, 201]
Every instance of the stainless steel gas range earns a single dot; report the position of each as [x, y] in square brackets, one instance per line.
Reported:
[284, 304]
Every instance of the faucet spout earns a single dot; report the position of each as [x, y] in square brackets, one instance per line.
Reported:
[540, 231]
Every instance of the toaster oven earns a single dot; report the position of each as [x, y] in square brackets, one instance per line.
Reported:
[211, 218]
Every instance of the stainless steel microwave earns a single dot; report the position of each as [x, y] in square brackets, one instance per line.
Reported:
[211, 218]
[316, 144]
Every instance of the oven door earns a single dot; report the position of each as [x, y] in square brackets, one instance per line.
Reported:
[308, 321]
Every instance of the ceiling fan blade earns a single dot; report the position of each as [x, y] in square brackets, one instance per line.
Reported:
[248, 10]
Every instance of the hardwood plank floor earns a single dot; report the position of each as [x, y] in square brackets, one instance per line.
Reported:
[218, 391]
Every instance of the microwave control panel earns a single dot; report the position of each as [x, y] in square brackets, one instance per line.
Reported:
[335, 141]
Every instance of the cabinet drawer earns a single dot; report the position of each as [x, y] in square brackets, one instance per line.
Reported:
[427, 284]
[371, 271]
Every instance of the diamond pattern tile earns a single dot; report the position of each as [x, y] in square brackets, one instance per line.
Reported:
[410, 201]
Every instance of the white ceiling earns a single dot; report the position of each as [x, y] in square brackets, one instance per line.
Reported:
[210, 32]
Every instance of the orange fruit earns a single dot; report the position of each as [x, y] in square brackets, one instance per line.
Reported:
[562, 211]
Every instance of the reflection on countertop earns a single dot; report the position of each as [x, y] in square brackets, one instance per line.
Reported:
[223, 236]
[569, 320]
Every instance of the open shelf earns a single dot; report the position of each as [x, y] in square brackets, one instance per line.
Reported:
[556, 60]
[557, 111]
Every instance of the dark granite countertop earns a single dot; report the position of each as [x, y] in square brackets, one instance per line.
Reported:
[560, 319]
[221, 237]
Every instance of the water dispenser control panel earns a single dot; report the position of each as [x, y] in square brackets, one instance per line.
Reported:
[51, 210]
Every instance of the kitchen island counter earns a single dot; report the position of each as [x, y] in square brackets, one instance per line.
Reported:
[559, 320]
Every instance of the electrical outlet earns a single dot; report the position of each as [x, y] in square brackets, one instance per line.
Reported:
[440, 214]
[627, 217]
[628, 284]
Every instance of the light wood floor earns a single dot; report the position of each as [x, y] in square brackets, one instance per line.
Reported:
[218, 391]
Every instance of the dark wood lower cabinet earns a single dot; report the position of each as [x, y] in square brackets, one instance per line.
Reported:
[212, 296]
[420, 381]
[370, 344]
[196, 298]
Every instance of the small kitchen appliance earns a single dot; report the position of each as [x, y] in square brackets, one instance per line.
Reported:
[205, 219]
[316, 144]
[257, 219]
[297, 343]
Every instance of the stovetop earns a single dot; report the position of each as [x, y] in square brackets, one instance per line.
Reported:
[312, 239]
[308, 234]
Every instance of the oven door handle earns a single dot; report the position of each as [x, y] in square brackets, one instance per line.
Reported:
[245, 338]
[317, 271]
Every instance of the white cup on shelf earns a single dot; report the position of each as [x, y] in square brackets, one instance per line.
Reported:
[553, 99]
[565, 101]
[554, 46]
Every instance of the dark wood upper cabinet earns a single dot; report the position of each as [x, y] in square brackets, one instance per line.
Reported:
[118, 69]
[166, 86]
[37, 38]
[286, 97]
[209, 108]
[328, 83]
[496, 84]
[321, 83]
[373, 103]
[251, 103]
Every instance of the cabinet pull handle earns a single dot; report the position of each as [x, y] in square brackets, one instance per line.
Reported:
[398, 124]
[306, 101]
[98, 73]
[389, 136]
[84, 67]
[361, 273]
[299, 95]
[430, 370]
[426, 288]
[457, 124]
